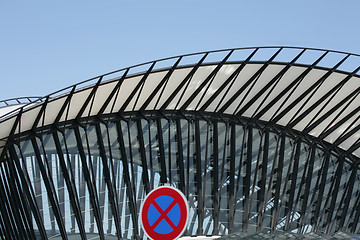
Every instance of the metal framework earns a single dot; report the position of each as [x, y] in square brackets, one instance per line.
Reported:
[20, 100]
[260, 140]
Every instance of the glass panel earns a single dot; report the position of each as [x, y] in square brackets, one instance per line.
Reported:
[237, 178]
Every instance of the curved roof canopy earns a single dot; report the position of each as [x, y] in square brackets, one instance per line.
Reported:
[312, 92]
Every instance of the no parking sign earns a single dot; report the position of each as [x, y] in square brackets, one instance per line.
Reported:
[164, 213]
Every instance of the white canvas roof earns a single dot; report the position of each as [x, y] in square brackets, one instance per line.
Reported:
[315, 98]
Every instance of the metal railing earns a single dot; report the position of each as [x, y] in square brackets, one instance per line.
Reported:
[20, 100]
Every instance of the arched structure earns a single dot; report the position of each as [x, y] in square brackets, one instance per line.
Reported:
[258, 139]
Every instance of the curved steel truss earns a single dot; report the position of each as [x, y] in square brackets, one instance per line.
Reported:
[315, 92]
[260, 140]
[237, 176]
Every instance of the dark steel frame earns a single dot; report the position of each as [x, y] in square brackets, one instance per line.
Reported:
[20, 211]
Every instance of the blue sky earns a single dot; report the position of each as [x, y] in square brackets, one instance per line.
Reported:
[48, 45]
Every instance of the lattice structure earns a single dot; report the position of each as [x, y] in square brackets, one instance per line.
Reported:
[260, 140]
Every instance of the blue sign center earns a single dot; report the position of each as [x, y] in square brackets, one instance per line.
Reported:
[164, 214]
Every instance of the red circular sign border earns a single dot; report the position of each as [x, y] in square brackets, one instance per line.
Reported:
[178, 196]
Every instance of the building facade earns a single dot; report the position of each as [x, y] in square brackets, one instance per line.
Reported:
[260, 140]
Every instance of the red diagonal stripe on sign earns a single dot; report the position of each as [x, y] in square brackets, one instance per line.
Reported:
[163, 215]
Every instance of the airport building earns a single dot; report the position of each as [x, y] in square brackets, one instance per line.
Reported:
[259, 140]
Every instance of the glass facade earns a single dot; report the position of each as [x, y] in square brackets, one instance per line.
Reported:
[87, 180]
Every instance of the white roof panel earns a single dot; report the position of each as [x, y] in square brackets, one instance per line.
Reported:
[168, 88]
[243, 77]
[289, 76]
[251, 96]
[126, 89]
[269, 73]
[196, 80]
[224, 73]
[152, 81]
[102, 93]
[51, 111]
